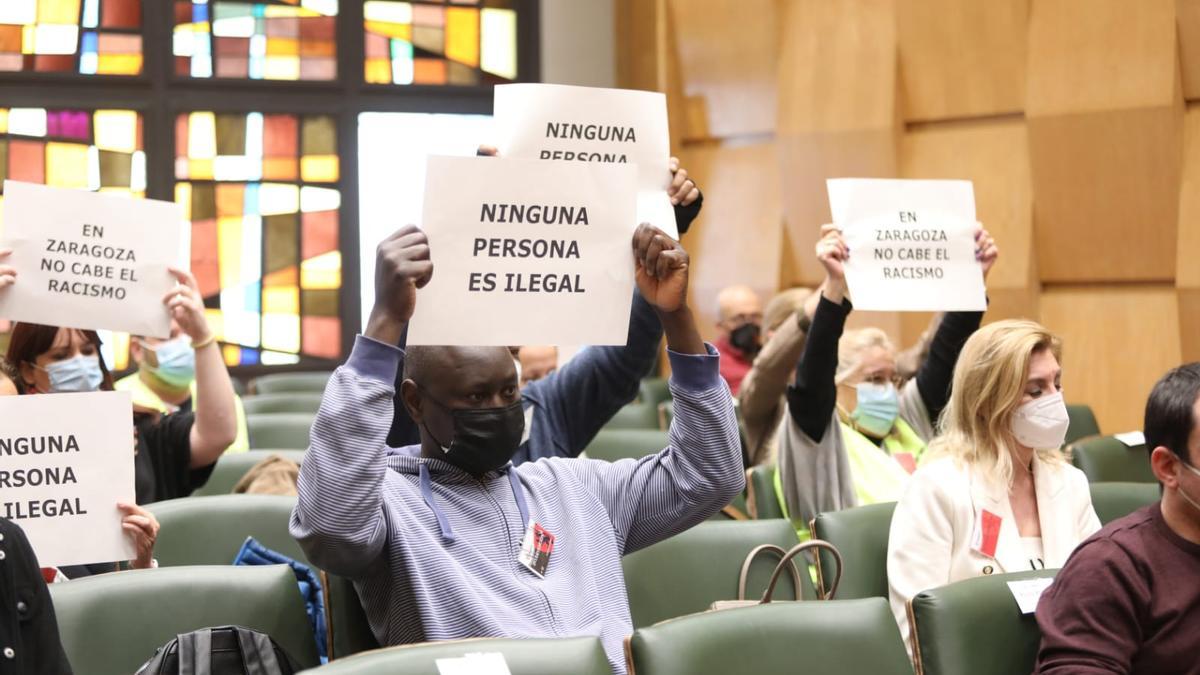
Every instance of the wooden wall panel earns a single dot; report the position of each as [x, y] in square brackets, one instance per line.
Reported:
[1188, 249]
[1105, 119]
[728, 51]
[737, 238]
[961, 59]
[838, 118]
[1117, 342]
[1188, 21]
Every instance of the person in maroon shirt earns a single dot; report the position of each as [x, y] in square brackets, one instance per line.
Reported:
[1128, 599]
[740, 316]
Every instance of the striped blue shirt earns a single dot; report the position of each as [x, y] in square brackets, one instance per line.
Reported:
[361, 514]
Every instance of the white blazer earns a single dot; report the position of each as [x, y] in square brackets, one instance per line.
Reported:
[937, 534]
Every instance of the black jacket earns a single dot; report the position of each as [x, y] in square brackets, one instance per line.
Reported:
[29, 641]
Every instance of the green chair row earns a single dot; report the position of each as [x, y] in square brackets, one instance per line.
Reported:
[1082, 422]
[300, 381]
[287, 402]
[230, 469]
[279, 430]
[111, 624]
[1105, 459]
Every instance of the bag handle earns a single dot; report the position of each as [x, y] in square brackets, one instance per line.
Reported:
[745, 574]
[195, 652]
[258, 654]
[797, 550]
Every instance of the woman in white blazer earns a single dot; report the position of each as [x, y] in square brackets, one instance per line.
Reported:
[995, 494]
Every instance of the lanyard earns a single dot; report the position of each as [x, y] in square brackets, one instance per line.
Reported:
[444, 523]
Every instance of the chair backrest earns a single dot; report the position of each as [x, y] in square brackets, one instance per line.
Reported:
[614, 444]
[635, 416]
[345, 621]
[281, 382]
[231, 467]
[654, 390]
[760, 493]
[974, 626]
[544, 656]
[814, 638]
[688, 572]
[861, 535]
[1083, 422]
[279, 430]
[1117, 500]
[1104, 459]
[284, 402]
[112, 623]
[210, 530]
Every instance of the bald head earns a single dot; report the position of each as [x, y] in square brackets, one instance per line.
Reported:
[736, 307]
[445, 370]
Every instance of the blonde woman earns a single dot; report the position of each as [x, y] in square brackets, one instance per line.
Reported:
[852, 436]
[995, 495]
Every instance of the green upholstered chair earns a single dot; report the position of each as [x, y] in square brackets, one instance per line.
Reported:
[654, 390]
[635, 416]
[230, 469]
[814, 638]
[291, 382]
[544, 656]
[1117, 500]
[345, 621]
[283, 431]
[285, 402]
[112, 623]
[760, 493]
[688, 572]
[613, 444]
[974, 626]
[1083, 422]
[210, 530]
[861, 535]
[1104, 459]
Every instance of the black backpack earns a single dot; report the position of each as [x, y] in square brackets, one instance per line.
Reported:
[228, 650]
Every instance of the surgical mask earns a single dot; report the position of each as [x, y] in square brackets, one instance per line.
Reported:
[1042, 423]
[746, 338]
[485, 439]
[76, 374]
[176, 362]
[877, 409]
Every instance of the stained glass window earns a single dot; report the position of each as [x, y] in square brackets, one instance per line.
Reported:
[91, 37]
[275, 40]
[261, 192]
[463, 42]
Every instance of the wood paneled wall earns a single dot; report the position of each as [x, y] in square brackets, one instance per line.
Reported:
[1071, 117]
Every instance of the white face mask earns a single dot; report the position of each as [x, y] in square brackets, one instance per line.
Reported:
[1042, 423]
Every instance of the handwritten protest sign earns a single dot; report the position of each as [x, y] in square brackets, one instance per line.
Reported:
[587, 124]
[65, 462]
[912, 244]
[91, 261]
[526, 252]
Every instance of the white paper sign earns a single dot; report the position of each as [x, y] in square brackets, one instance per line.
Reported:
[1027, 592]
[588, 124]
[1131, 438]
[526, 252]
[65, 462]
[91, 261]
[912, 244]
[488, 663]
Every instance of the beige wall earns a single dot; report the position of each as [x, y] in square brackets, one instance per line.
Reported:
[578, 44]
[1071, 117]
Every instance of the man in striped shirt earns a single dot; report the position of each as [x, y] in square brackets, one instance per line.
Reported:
[433, 540]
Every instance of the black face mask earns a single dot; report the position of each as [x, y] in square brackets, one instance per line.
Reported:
[485, 439]
[745, 338]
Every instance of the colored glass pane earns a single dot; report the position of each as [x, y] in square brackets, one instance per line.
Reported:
[89, 37]
[264, 212]
[275, 40]
[466, 43]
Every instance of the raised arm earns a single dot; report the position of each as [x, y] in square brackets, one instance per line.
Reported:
[216, 425]
[339, 519]
[700, 470]
[767, 382]
[937, 372]
[812, 399]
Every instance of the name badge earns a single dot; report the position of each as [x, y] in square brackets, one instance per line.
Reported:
[536, 548]
[987, 533]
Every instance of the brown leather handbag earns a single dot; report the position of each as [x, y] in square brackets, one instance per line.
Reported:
[786, 561]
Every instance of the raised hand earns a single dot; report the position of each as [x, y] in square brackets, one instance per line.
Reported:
[402, 265]
[683, 190]
[140, 525]
[660, 269]
[986, 251]
[8, 275]
[186, 306]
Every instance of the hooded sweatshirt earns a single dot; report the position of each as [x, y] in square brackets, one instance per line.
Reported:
[433, 551]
